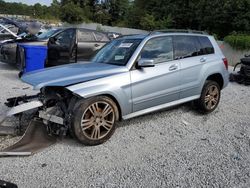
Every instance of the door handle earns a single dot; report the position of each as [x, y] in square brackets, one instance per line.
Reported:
[97, 45]
[203, 59]
[173, 67]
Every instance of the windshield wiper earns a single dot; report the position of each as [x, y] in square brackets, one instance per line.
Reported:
[113, 63]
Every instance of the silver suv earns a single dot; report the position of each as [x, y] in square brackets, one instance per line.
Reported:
[129, 77]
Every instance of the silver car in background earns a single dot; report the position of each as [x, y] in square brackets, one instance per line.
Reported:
[129, 77]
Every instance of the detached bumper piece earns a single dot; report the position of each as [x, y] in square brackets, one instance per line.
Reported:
[34, 139]
[44, 127]
[24, 107]
[19, 105]
[7, 130]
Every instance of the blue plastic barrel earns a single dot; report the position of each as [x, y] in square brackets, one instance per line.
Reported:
[35, 57]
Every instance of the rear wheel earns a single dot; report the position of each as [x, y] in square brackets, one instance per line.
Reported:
[210, 97]
[94, 120]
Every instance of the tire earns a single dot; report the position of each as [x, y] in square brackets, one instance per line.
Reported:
[94, 120]
[210, 97]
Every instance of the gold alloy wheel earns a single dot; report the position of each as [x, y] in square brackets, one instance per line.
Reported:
[97, 120]
[212, 97]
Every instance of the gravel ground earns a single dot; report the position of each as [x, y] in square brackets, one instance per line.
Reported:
[171, 148]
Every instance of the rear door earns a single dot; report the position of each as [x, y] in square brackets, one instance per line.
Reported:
[62, 48]
[192, 57]
[154, 86]
[87, 44]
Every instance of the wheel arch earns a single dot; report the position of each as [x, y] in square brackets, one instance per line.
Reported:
[112, 97]
[217, 77]
[117, 104]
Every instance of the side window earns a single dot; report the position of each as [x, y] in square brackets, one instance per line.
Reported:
[158, 49]
[85, 36]
[100, 37]
[66, 37]
[206, 46]
[185, 46]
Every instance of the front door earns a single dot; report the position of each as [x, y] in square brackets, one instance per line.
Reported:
[62, 48]
[154, 86]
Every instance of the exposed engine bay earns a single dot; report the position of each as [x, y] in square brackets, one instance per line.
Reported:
[53, 106]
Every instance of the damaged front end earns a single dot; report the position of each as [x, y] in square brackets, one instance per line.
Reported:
[49, 113]
[53, 106]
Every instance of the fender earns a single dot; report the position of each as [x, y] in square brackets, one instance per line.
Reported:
[212, 68]
[118, 86]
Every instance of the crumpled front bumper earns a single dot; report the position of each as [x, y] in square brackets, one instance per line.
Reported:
[17, 109]
[24, 107]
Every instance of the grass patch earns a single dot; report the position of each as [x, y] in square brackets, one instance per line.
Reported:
[238, 41]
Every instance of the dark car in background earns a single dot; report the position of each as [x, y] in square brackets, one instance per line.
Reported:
[65, 45]
[9, 48]
[74, 44]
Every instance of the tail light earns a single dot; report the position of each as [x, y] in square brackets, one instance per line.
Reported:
[225, 62]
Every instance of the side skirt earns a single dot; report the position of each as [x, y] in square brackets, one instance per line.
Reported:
[159, 107]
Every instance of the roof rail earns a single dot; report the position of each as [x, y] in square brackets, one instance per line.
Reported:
[177, 31]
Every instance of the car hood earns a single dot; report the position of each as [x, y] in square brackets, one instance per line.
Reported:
[71, 74]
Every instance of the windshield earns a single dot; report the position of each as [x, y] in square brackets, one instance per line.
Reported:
[47, 34]
[117, 52]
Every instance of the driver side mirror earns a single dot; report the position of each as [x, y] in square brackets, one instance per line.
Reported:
[143, 63]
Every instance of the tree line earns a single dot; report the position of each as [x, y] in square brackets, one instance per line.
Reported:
[219, 17]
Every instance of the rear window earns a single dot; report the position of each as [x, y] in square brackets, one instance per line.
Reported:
[206, 46]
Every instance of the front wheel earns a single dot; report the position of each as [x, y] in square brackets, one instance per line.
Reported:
[94, 120]
[210, 97]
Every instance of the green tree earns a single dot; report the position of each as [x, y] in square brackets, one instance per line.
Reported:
[54, 9]
[148, 22]
[117, 10]
[219, 17]
[72, 13]
[38, 10]
[101, 15]
[150, 14]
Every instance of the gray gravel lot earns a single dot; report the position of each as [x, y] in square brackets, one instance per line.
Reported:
[171, 148]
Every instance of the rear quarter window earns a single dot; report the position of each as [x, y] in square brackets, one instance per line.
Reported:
[206, 46]
[101, 37]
